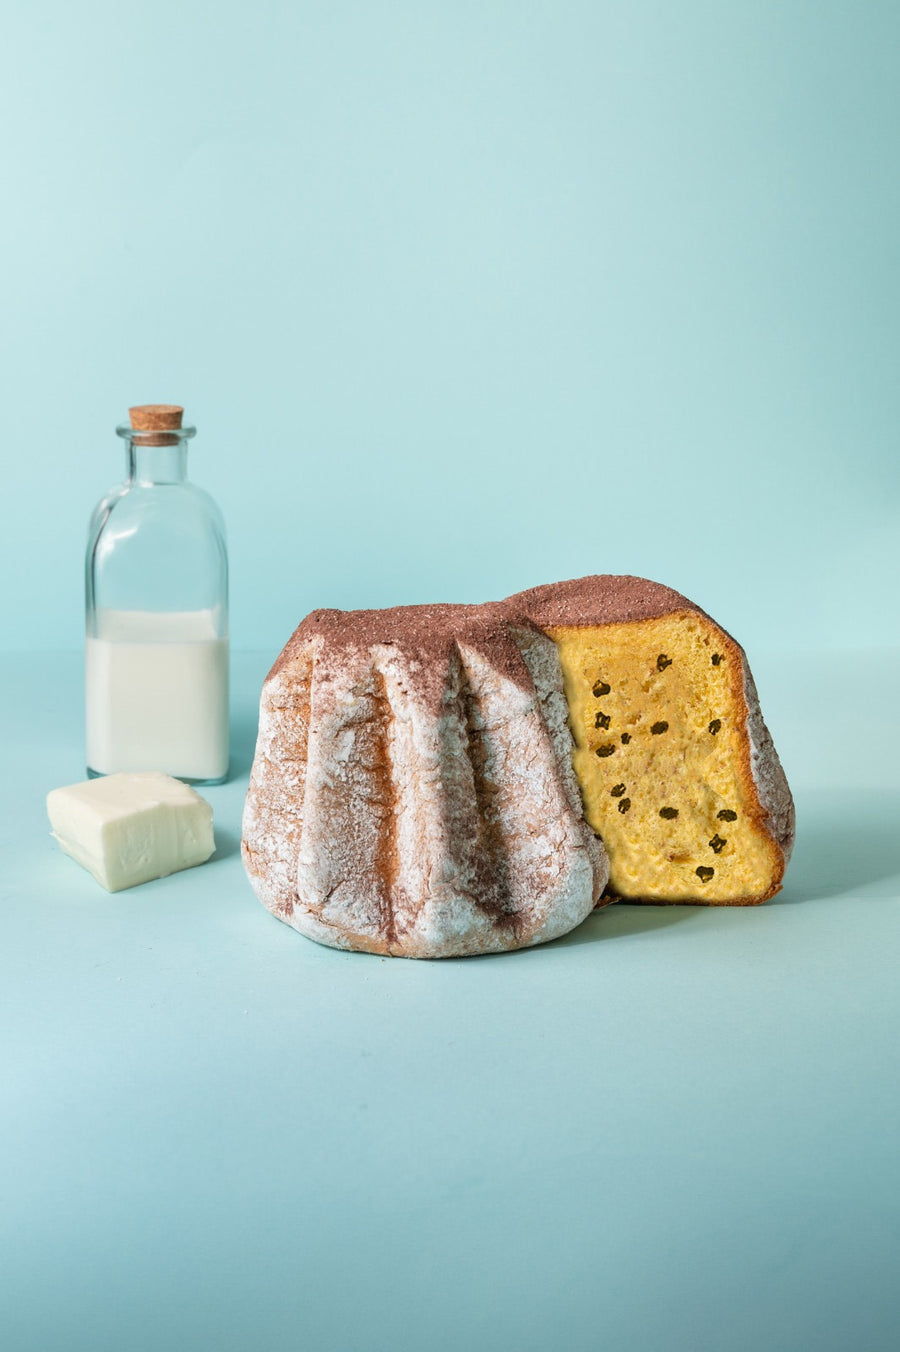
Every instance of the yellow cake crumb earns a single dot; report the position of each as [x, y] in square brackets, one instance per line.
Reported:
[658, 714]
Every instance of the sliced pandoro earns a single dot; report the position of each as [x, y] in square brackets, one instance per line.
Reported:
[678, 772]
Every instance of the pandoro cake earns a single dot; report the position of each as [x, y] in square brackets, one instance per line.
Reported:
[413, 792]
[442, 781]
[677, 769]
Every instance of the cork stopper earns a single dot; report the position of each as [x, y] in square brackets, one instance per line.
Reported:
[154, 423]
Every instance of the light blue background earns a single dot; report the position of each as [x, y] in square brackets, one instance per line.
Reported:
[462, 297]
[674, 1130]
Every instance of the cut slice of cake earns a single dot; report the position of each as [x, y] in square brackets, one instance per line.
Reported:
[677, 770]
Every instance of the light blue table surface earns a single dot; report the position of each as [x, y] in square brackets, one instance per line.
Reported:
[675, 1129]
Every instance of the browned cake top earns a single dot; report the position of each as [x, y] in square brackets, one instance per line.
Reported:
[601, 599]
[424, 636]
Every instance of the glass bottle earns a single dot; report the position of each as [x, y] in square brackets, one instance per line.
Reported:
[156, 668]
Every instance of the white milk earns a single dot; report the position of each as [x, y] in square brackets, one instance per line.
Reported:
[156, 690]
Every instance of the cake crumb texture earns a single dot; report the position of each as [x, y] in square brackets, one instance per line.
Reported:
[658, 714]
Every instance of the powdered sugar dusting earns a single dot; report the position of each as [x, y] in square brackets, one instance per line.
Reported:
[437, 814]
[768, 774]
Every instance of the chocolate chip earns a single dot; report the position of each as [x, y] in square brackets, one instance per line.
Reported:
[726, 815]
[606, 750]
[626, 738]
[624, 804]
[662, 662]
[670, 813]
[617, 790]
[715, 725]
[659, 727]
[601, 688]
[716, 659]
[717, 844]
[601, 721]
[704, 874]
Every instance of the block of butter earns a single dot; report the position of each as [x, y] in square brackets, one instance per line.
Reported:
[128, 828]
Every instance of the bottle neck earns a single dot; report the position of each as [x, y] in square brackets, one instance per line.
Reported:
[157, 464]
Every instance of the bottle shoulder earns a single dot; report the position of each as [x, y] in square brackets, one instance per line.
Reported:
[104, 507]
[157, 507]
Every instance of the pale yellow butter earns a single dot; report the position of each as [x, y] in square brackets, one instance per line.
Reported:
[128, 828]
